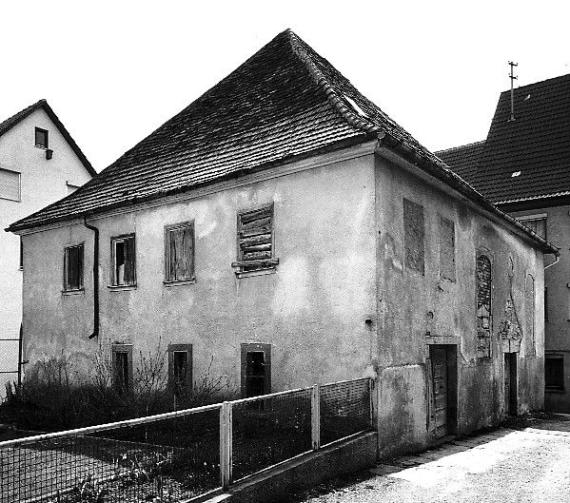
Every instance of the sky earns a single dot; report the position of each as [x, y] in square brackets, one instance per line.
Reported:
[113, 71]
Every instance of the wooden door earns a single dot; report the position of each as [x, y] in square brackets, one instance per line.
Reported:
[439, 368]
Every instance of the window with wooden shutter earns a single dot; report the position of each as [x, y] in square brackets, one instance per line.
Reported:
[255, 240]
[73, 268]
[9, 185]
[179, 252]
[123, 257]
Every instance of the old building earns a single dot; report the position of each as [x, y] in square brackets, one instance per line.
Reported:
[523, 167]
[39, 164]
[281, 231]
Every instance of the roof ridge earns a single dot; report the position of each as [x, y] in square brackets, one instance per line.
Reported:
[300, 51]
[566, 75]
[452, 149]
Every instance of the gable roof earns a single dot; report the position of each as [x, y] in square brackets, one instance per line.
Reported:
[463, 159]
[9, 123]
[285, 102]
[528, 158]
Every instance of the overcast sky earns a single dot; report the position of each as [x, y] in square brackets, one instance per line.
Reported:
[114, 71]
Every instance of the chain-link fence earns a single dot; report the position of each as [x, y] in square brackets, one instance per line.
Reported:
[176, 456]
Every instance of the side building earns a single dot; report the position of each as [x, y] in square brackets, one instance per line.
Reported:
[282, 231]
[524, 168]
[39, 164]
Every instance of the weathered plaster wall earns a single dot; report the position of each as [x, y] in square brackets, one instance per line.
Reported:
[42, 182]
[417, 310]
[312, 310]
[557, 279]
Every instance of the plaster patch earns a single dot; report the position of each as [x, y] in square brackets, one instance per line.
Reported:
[292, 293]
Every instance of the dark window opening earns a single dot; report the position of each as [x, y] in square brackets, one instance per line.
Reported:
[180, 367]
[73, 268]
[256, 369]
[123, 258]
[414, 233]
[179, 253]
[255, 240]
[554, 373]
[122, 368]
[41, 138]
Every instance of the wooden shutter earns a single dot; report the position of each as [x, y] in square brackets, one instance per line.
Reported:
[130, 260]
[255, 239]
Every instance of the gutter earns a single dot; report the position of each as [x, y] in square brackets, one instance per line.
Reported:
[95, 278]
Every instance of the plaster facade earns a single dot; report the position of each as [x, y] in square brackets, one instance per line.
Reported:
[340, 304]
[42, 182]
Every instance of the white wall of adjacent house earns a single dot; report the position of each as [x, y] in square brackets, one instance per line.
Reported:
[28, 182]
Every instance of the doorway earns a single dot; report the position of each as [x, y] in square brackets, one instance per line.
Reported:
[443, 360]
[511, 403]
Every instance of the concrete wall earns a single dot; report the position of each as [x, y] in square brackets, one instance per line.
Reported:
[418, 310]
[42, 182]
[557, 279]
[312, 310]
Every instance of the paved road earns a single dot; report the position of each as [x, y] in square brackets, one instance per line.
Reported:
[504, 466]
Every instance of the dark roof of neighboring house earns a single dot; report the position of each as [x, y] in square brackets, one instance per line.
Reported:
[463, 159]
[528, 158]
[285, 102]
[9, 123]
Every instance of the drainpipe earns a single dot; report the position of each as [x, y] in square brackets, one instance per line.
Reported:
[553, 263]
[95, 278]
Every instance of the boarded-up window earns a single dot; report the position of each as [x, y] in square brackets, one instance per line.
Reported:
[9, 185]
[73, 267]
[122, 361]
[123, 260]
[179, 252]
[180, 367]
[255, 369]
[446, 249]
[484, 289]
[554, 372]
[255, 240]
[414, 235]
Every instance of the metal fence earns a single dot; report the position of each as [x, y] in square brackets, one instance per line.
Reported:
[179, 455]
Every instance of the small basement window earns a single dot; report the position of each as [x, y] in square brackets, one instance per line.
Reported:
[123, 260]
[255, 369]
[554, 372]
[179, 252]
[73, 267]
[180, 367]
[41, 138]
[255, 240]
[122, 367]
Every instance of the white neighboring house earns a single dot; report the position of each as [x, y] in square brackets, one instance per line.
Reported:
[39, 164]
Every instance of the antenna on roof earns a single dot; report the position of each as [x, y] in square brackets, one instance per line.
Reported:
[513, 78]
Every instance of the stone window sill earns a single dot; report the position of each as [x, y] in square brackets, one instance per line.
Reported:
[77, 291]
[121, 288]
[177, 283]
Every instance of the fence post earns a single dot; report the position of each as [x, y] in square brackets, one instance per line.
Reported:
[226, 444]
[316, 417]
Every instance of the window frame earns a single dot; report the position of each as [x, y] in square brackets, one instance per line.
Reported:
[167, 230]
[11, 171]
[121, 239]
[554, 387]
[252, 347]
[188, 380]
[246, 267]
[128, 350]
[66, 285]
[41, 131]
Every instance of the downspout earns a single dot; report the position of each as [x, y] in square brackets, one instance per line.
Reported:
[95, 278]
[556, 260]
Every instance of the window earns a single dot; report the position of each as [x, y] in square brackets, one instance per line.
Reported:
[484, 290]
[180, 367]
[179, 252]
[123, 260]
[9, 185]
[122, 367]
[73, 267]
[414, 236]
[446, 249]
[255, 369]
[554, 372]
[41, 140]
[255, 240]
[536, 223]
